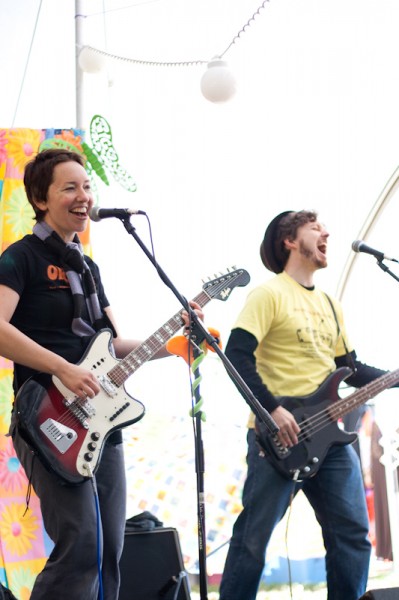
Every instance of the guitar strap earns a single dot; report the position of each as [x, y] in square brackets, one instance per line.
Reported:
[80, 278]
[349, 359]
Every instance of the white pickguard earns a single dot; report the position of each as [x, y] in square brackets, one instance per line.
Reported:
[111, 409]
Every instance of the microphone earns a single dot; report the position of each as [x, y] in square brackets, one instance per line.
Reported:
[97, 214]
[360, 246]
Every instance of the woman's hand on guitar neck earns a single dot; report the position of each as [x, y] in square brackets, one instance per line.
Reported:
[186, 317]
[289, 428]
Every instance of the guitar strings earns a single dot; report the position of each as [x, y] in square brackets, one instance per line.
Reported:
[323, 418]
[68, 418]
[141, 353]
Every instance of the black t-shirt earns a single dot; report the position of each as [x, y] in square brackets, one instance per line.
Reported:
[45, 309]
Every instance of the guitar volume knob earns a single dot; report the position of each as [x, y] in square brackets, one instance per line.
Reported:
[88, 456]
[92, 446]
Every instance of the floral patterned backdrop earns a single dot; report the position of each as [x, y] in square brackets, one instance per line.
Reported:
[24, 544]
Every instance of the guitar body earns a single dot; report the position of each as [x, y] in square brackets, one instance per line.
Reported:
[319, 431]
[67, 433]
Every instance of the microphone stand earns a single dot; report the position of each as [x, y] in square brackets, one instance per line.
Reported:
[257, 408]
[200, 470]
[386, 269]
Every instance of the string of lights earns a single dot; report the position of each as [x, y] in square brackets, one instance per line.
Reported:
[217, 83]
[182, 63]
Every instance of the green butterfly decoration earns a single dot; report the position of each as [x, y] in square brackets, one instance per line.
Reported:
[101, 158]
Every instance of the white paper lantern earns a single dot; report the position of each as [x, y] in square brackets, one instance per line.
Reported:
[218, 83]
[91, 61]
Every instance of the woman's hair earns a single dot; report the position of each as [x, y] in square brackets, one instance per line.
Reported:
[39, 173]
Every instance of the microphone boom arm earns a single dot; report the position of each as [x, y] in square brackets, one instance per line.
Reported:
[262, 414]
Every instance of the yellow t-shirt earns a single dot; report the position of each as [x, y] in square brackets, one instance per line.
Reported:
[297, 335]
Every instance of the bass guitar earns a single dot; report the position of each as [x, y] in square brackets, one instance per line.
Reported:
[317, 416]
[68, 432]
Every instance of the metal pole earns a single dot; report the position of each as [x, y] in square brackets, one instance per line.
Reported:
[80, 16]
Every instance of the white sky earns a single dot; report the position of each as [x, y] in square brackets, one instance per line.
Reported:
[314, 124]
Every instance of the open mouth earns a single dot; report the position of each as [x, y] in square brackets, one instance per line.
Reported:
[80, 212]
[322, 249]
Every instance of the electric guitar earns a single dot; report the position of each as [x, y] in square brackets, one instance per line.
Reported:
[317, 416]
[68, 432]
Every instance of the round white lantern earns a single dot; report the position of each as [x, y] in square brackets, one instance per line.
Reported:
[218, 83]
[91, 61]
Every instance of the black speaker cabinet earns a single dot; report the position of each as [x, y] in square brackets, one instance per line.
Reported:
[152, 566]
[382, 594]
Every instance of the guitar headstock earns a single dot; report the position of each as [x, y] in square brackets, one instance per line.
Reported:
[221, 287]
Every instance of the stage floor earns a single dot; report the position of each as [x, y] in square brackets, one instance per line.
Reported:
[382, 575]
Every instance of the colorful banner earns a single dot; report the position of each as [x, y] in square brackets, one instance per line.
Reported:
[24, 545]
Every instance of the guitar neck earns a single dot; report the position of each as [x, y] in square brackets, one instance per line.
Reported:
[361, 396]
[151, 346]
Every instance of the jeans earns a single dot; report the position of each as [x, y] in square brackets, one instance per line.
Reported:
[70, 519]
[337, 496]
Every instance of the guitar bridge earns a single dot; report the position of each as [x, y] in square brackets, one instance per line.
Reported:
[60, 436]
[280, 450]
[107, 385]
[81, 410]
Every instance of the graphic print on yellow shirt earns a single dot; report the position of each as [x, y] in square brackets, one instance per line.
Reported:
[297, 335]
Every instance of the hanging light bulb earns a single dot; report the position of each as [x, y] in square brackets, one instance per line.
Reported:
[91, 61]
[218, 83]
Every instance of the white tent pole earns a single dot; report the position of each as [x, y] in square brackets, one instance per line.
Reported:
[371, 220]
[80, 16]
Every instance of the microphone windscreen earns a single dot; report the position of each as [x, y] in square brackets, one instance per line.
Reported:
[356, 245]
[94, 213]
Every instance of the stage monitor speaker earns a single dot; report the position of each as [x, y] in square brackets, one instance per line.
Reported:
[382, 594]
[152, 566]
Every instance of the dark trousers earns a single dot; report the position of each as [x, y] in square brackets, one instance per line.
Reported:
[337, 496]
[71, 520]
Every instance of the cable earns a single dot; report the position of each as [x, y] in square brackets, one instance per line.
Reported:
[104, 26]
[181, 63]
[97, 505]
[147, 62]
[244, 28]
[109, 10]
[26, 65]
[182, 575]
[292, 496]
